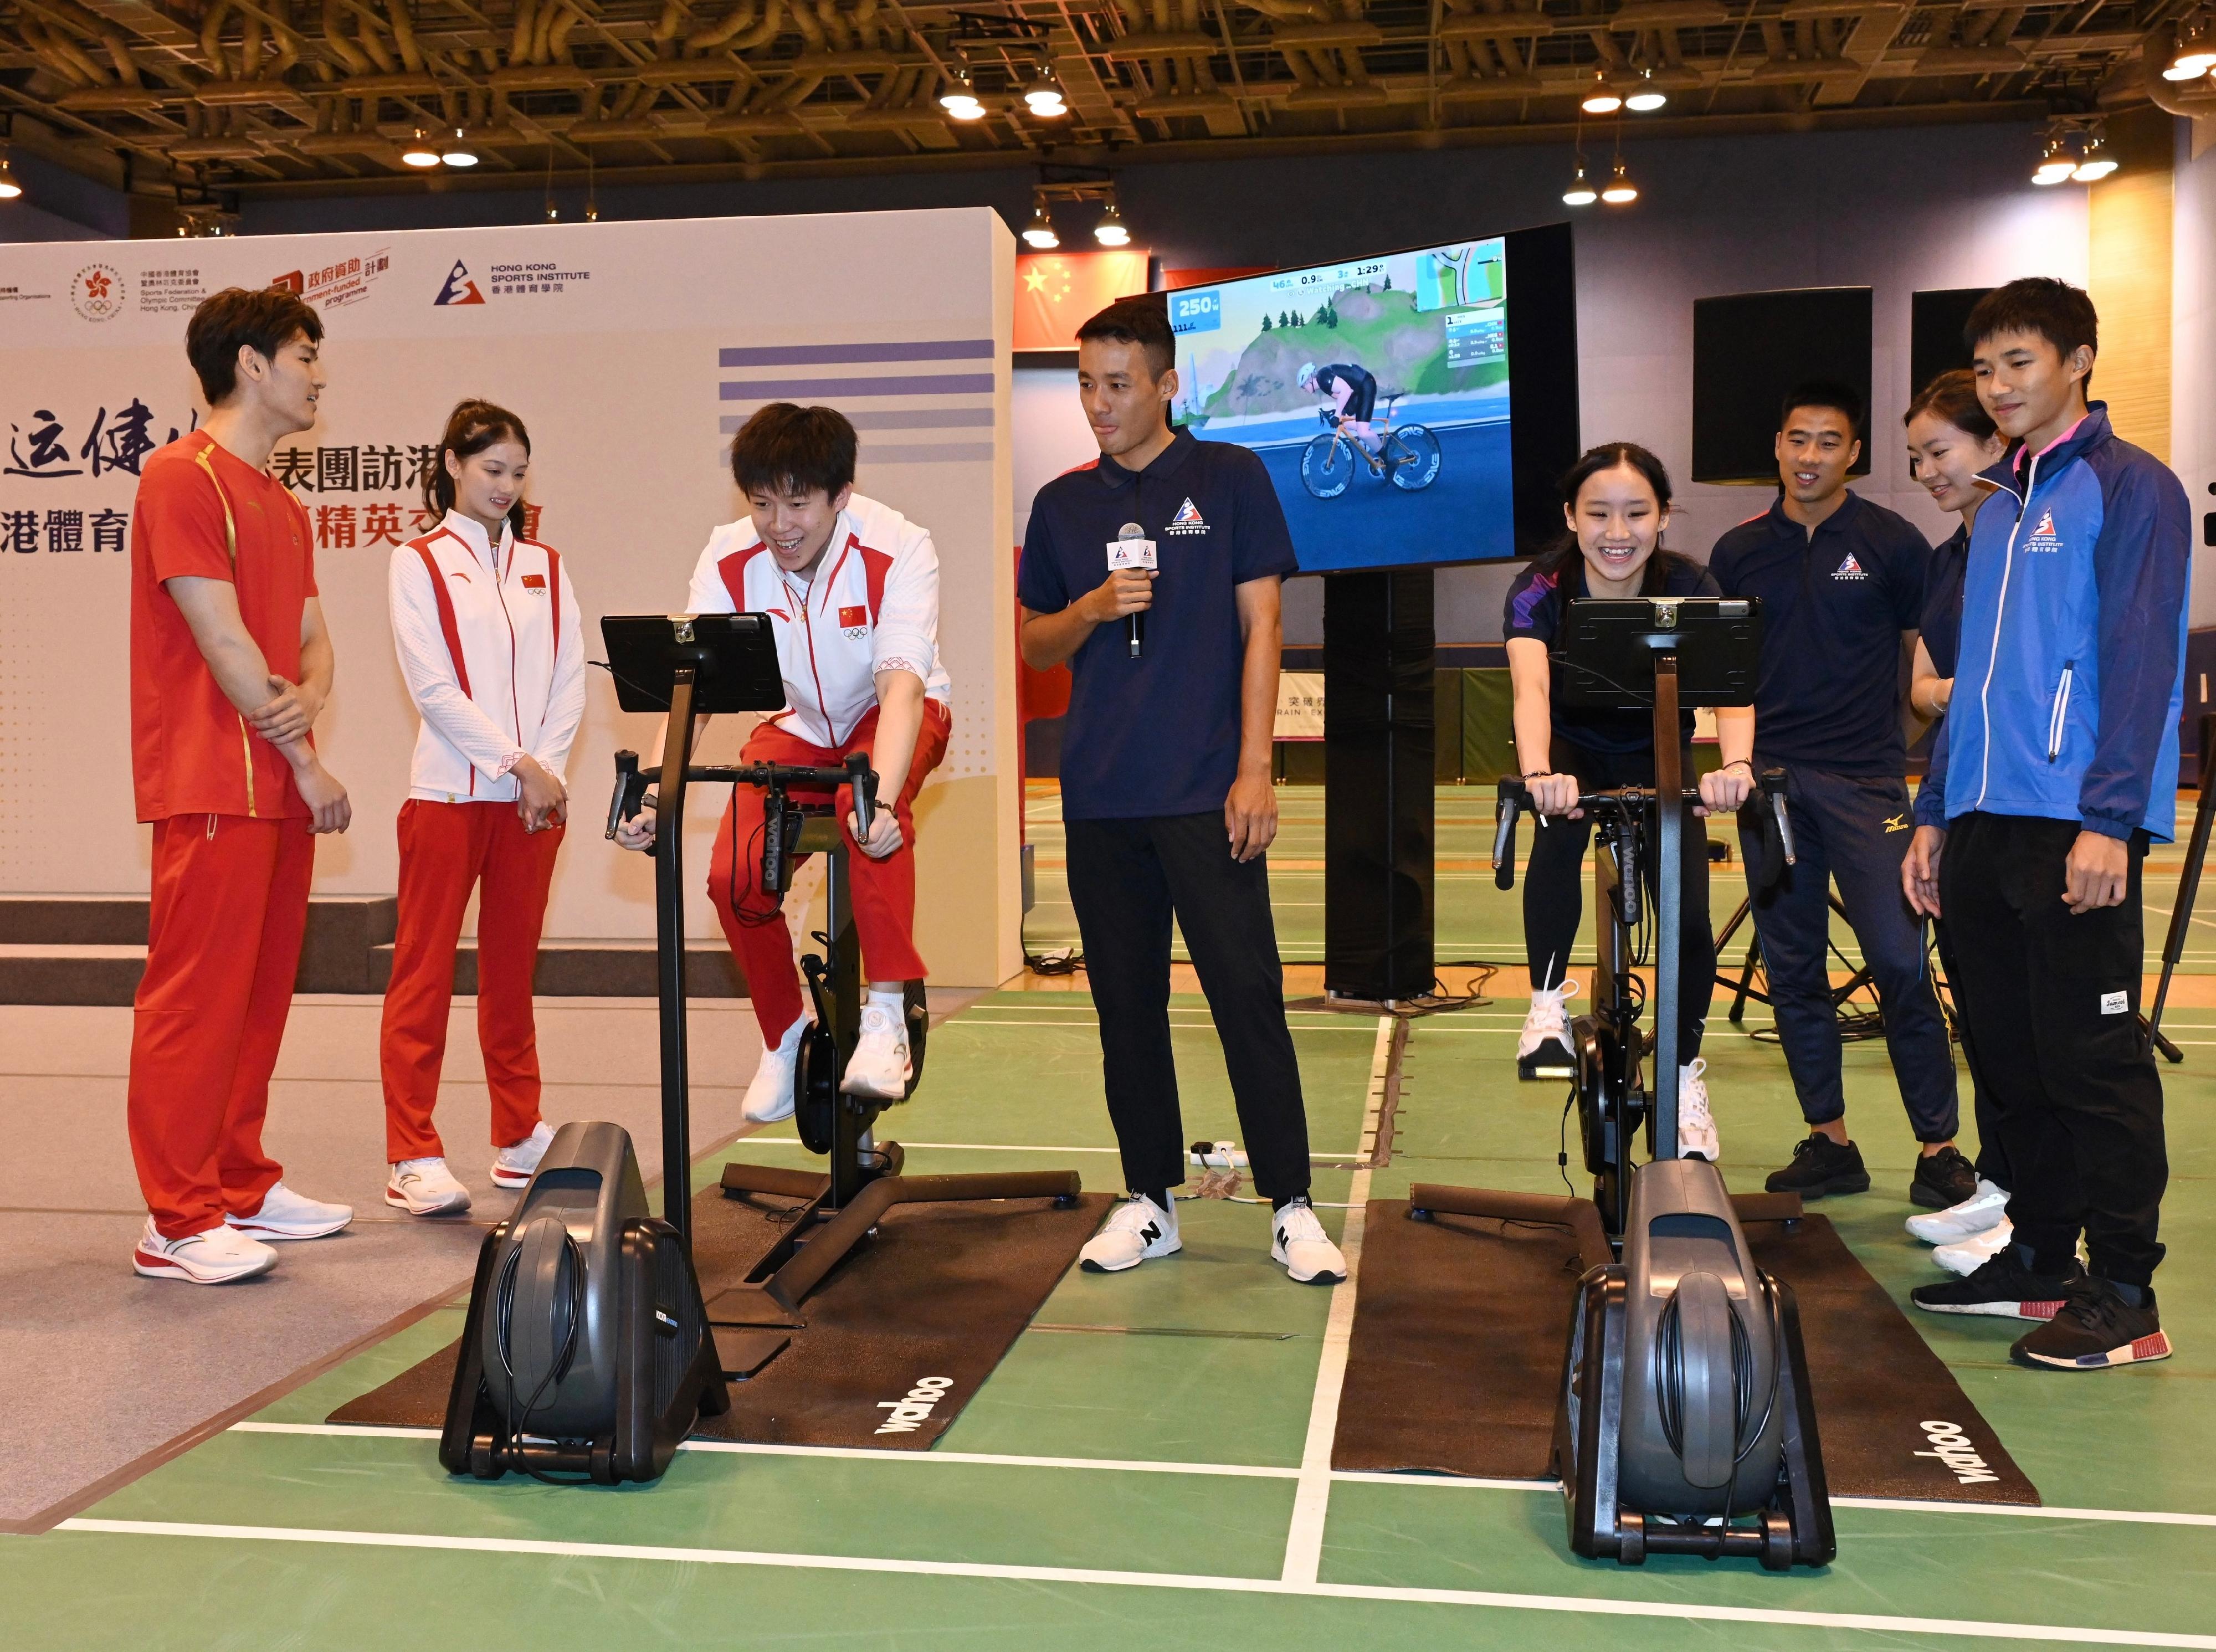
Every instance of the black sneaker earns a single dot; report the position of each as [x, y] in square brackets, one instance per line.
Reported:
[2094, 1329]
[1821, 1166]
[2003, 1287]
[1942, 1179]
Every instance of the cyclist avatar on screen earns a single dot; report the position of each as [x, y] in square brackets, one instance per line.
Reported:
[1353, 393]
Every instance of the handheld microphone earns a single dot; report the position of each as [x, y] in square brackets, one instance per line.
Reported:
[1131, 548]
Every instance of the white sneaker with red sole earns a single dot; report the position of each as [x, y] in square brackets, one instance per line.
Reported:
[516, 1165]
[425, 1187]
[288, 1215]
[222, 1255]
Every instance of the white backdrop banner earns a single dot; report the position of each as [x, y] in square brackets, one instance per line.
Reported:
[632, 351]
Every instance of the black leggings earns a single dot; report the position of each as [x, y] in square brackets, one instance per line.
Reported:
[1554, 887]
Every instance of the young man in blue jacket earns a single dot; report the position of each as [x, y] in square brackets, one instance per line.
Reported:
[2056, 767]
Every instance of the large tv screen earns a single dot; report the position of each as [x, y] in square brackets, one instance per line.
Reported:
[1414, 407]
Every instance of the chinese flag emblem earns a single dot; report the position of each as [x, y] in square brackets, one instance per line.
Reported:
[1056, 292]
[850, 619]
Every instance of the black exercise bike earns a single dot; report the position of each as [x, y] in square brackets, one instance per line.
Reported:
[1606, 1047]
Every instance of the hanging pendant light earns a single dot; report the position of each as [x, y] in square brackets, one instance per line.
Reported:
[1580, 192]
[1621, 191]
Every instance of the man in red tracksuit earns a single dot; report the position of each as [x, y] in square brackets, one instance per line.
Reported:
[229, 665]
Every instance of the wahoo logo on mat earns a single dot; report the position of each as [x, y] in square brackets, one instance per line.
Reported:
[1951, 1447]
[913, 1409]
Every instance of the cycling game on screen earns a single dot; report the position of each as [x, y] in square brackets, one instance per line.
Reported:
[1376, 392]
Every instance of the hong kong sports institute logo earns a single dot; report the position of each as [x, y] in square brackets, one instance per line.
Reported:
[97, 291]
[2043, 537]
[459, 288]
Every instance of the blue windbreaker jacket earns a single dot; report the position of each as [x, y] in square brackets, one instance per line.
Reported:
[2070, 675]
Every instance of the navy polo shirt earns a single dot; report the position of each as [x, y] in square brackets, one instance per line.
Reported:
[1534, 609]
[1941, 626]
[1158, 734]
[1833, 607]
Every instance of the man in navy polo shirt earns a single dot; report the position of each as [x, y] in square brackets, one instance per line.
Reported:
[1840, 580]
[1165, 792]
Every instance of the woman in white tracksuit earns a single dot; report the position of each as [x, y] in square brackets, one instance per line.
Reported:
[492, 643]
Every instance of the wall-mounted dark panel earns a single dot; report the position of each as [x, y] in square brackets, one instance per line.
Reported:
[1748, 350]
[1936, 320]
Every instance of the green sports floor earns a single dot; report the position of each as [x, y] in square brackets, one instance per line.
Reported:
[1149, 1466]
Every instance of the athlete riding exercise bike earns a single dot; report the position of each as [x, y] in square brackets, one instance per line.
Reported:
[689, 664]
[1685, 1424]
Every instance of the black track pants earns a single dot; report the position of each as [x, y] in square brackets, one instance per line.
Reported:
[1554, 889]
[2053, 1000]
[1126, 879]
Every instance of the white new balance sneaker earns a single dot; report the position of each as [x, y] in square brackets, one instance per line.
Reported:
[1696, 1125]
[222, 1255]
[515, 1165]
[1299, 1244]
[288, 1215]
[1978, 1213]
[1542, 1049]
[1966, 1257]
[769, 1097]
[879, 1066]
[425, 1187]
[1137, 1230]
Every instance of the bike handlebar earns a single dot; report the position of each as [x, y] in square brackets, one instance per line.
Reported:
[631, 784]
[1514, 797]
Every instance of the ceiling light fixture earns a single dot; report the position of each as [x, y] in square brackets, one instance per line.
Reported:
[1039, 232]
[960, 97]
[2055, 166]
[10, 189]
[1603, 99]
[1621, 191]
[459, 153]
[1044, 96]
[2196, 53]
[1647, 97]
[1580, 192]
[1110, 230]
[2095, 166]
[419, 152]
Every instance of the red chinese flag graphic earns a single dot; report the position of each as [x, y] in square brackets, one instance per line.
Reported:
[849, 618]
[1057, 292]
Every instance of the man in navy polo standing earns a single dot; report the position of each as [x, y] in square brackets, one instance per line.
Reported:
[1166, 788]
[1840, 580]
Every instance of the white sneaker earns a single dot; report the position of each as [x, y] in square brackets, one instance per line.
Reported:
[879, 1066]
[1300, 1244]
[516, 1165]
[769, 1098]
[1975, 1214]
[1137, 1230]
[1966, 1257]
[1545, 1040]
[219, 1256]
[426, 1187]
[1696, 1125]
[288, 1215]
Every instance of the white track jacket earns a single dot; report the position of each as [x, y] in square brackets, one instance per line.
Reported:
[492, 646]
[872, 607]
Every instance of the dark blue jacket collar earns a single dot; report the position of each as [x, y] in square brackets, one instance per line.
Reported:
[1169, 462]
[1839, 521]
[2089, 433]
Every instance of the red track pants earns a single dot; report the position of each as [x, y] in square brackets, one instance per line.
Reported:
[229, 908]
[883, 891]
[445, 850]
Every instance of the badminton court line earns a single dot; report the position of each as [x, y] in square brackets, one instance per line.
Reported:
[1879, 1623]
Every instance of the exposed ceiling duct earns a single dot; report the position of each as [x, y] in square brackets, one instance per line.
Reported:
[283, 94]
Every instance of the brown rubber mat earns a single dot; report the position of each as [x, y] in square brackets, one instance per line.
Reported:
[899, 1337]
[1460, 1323]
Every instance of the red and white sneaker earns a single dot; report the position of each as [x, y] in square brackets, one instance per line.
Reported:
[426, 1187]
[517, 1164]
[288, 1215]
[222, 1255]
